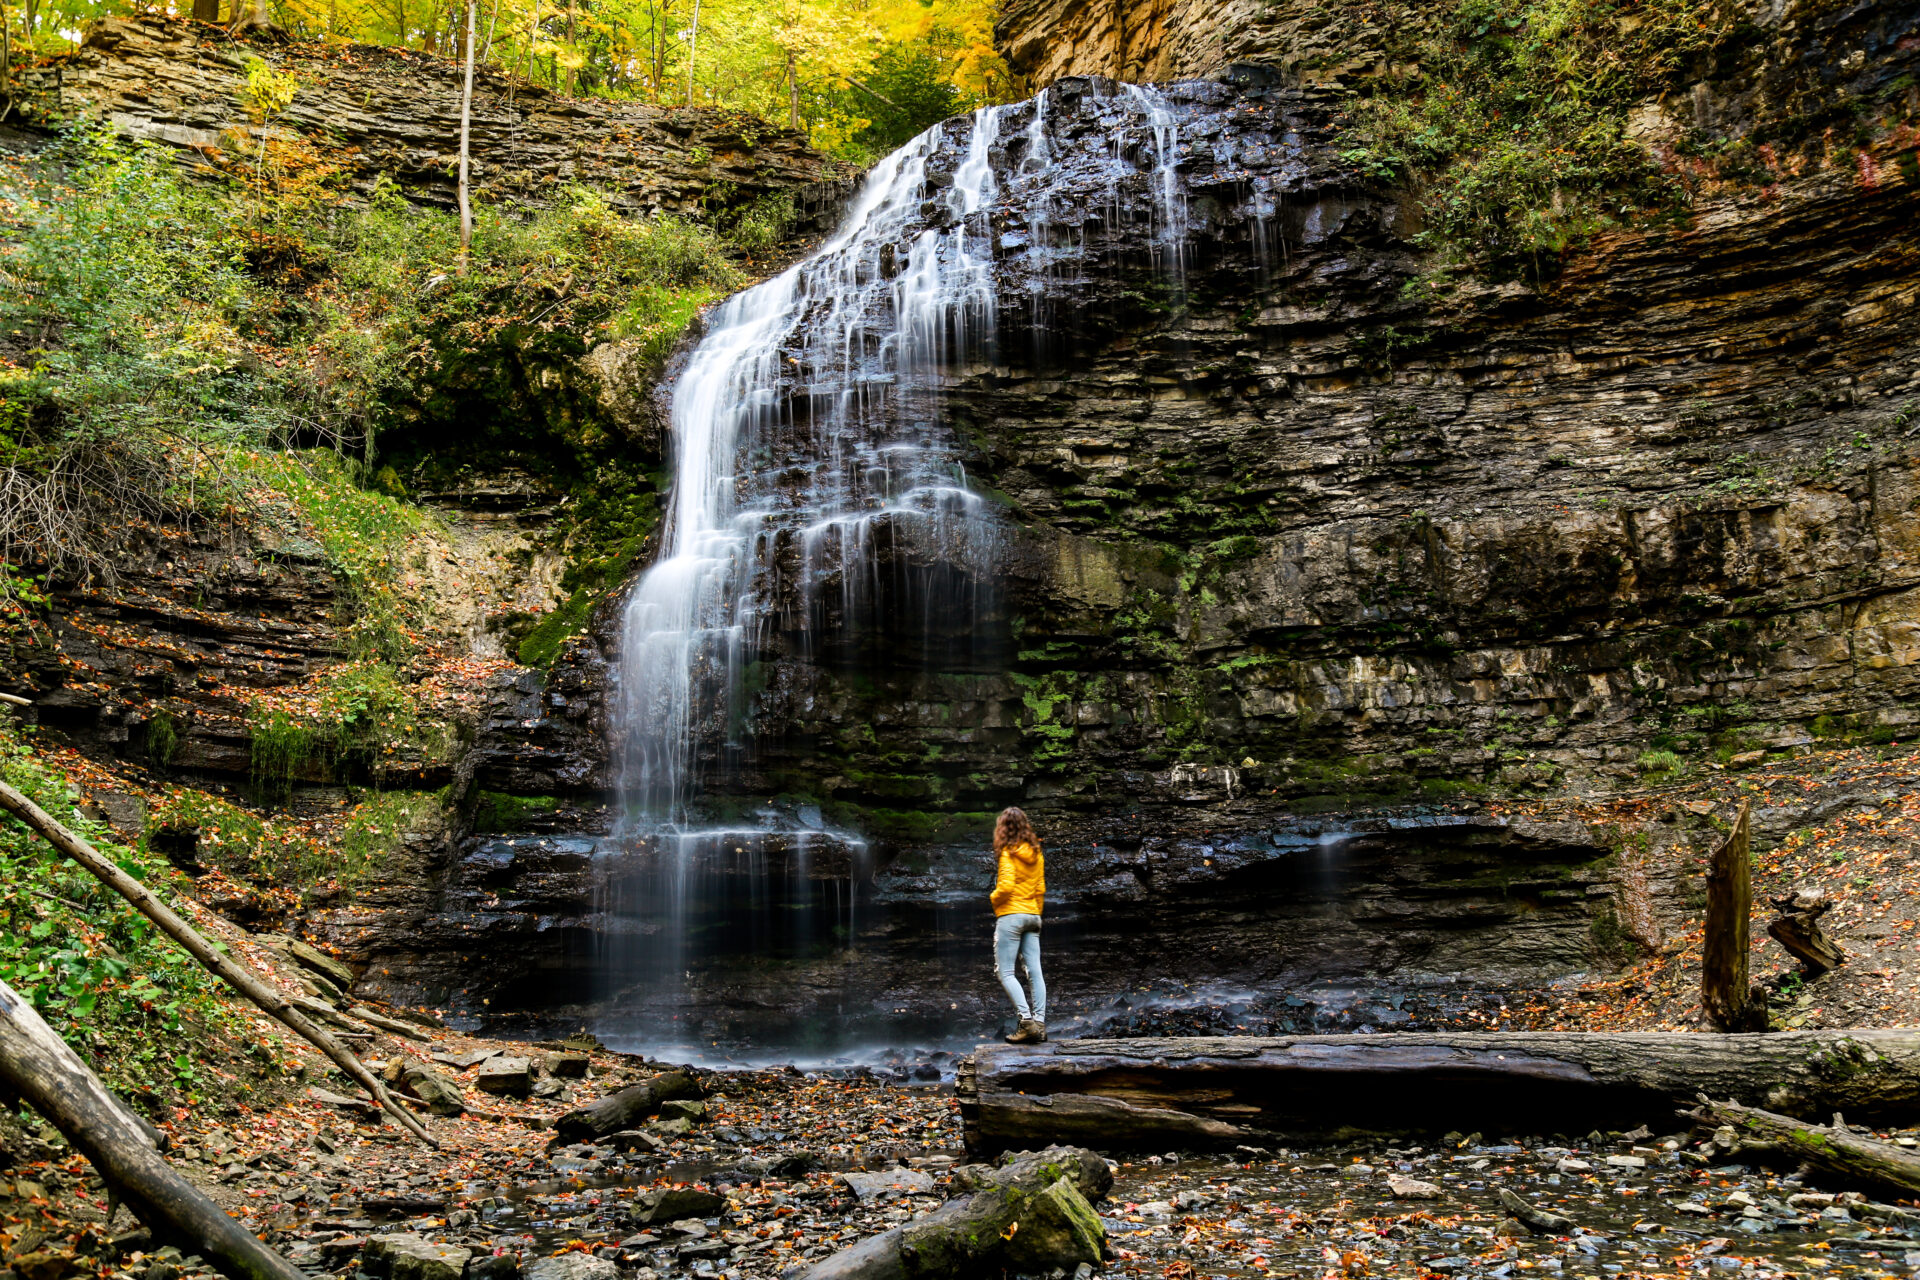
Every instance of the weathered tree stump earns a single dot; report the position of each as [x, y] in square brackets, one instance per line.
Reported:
[1726, 990]
[1152, 1094]
[1797, 928]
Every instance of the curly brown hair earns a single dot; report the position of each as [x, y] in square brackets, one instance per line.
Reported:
[1012, 829]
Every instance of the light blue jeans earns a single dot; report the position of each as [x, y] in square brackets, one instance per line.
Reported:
[1019, 936]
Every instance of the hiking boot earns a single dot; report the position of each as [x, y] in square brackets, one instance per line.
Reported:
[1028, 1032]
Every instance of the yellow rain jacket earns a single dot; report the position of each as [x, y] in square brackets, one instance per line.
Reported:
[1020, 887]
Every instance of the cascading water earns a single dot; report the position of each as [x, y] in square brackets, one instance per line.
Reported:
[819, 499]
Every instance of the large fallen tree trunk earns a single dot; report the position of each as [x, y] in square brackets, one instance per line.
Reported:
[40, 1067]
[1829, 1150]
[1159, 1094]
[234, 974]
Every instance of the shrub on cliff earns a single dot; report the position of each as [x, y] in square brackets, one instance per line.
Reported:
[1511, 118]
[155, 333]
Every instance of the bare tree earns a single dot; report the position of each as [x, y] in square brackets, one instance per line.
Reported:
[533, 36]
[793, 94]
[493, 25]
[466, 130]
[693, 49]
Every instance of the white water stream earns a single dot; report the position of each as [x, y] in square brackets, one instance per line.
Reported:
[807, 428]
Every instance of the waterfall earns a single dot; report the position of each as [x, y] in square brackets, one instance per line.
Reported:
[816, 485]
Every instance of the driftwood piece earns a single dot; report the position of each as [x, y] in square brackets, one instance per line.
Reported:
[234, 974]
[40, 1067]
[1726, 990]
[623, 1110]
[1831, 1150]
[1543, 1222]
[1152, 1094]
[1797, 928]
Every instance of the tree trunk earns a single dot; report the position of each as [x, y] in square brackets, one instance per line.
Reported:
[623, 1110]
[493, 25]
[693, 49]
[1725, 989]
[793, 95]
[466, 129]
[1152, 1094]
[533, 38]
[206, 10]
[1797, 928]
[1830, 1150]
[37, 1064]
[237, 976]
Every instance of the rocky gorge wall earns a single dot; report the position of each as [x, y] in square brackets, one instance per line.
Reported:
[1307, 523]
[1296, 525]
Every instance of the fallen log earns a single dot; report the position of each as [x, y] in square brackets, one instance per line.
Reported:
[234, 974]
[1157, 1094]
[1797, 928]
[622, 1110]
[1826, 1149]
[1032, 1216]
[40, 1067]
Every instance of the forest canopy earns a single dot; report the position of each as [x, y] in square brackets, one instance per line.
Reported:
[859, 77]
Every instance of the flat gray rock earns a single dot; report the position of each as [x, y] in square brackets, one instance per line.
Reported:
[867, 1186]
[572, 1266]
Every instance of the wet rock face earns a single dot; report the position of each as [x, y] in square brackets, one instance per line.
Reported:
[536, 930]
[395, 113]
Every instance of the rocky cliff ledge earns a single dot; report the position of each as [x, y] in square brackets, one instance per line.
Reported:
[367, 112]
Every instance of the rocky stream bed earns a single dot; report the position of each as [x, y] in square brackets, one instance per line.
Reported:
[776, 1169]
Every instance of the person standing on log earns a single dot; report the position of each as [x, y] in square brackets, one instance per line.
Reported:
[1019, 893]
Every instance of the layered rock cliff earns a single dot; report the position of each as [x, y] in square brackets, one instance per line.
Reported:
[361, 113]
[1294, 522]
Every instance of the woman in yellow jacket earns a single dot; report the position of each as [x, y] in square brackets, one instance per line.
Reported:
[1019, 893]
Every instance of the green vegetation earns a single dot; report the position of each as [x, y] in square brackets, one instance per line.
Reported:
[495, 811]
[165, 336]
[367, 538]
[350, 715]
[1515, 124]
[91, 965]
[857, 77]
[1659, 766]
[288, 854]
